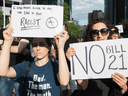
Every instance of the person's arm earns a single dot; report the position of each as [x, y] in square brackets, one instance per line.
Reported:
[82, 83]
[121, 81]
[21, 46]
[63, 75]
[5, 70]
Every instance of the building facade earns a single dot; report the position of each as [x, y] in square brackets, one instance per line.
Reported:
[126, 9]
[115, 11]
[94, 15]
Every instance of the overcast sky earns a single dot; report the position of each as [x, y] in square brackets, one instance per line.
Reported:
[81, 8]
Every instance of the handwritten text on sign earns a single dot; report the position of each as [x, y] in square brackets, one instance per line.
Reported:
[37, 20]
[99, 59]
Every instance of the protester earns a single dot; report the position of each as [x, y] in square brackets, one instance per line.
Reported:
[72, 83]
[99, 30]
[17, 55]
[43, 74]
[114, 33]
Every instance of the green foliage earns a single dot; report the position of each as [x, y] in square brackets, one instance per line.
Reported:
[66, 11]
[73, 28]
[7, 20]
[1, 20]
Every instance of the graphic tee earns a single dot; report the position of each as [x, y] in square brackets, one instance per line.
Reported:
[41, 81]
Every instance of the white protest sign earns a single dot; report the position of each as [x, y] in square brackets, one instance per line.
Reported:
[36, 20]
[99, 59]
[120, 27]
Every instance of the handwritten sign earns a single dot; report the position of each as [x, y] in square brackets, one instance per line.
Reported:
[99, 59]
[36, 20]
[120, 27]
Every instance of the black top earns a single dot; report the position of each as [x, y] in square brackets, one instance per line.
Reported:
[101, 87]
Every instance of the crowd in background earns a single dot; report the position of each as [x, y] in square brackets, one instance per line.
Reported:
[99, 30]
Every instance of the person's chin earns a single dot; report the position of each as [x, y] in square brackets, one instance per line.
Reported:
[39, 58]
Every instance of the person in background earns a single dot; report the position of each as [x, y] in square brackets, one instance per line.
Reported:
[99, 30]
[114, 33]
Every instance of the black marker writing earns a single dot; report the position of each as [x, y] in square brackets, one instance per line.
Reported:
[29, 24]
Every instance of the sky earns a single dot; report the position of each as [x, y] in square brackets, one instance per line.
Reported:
[81, 8]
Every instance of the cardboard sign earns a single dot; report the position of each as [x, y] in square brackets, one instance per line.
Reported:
[120, 27]
[99, 59]
[36, 20]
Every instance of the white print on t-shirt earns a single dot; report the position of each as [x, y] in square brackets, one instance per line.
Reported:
[38, 86]
[45, 94]
[39, 79]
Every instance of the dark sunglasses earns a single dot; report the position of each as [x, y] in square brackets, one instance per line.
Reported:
[103, 31]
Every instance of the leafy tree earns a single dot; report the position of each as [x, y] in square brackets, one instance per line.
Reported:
[7, 20]
[66, 11]
[73, 28]
[1, 20]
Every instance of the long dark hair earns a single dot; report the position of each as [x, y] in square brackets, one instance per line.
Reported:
[87, 35]
[49, 42]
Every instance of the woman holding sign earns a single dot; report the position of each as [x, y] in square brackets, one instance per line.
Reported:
[98, 30]
[44, 75]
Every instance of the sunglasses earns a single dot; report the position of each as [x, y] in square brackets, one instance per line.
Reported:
[103, 31]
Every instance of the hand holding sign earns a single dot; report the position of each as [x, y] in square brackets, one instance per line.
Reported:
[37, 20]
[8, 32]
[99, 59]
[70, 52]
[60, 40]
[121, 81]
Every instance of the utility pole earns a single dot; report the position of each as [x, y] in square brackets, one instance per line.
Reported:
[4, 11]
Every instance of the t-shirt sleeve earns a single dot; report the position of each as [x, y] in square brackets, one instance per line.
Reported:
[21, 69]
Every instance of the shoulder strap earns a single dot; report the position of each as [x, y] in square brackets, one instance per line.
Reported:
[56, 80]
[28, 69]
[27, 72]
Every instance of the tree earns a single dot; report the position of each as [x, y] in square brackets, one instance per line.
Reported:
[1, 20]
[73, 28]
[66, 12]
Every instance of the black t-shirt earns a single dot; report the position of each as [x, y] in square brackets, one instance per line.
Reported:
[16, 58]
[101, 87]
[66, 46]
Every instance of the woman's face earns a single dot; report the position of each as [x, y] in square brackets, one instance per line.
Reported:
[99, 37]
[40, 48]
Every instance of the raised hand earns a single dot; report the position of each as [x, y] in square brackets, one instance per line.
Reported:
[70, 52]
[7, 33]
[121, 81]
[61, 38]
